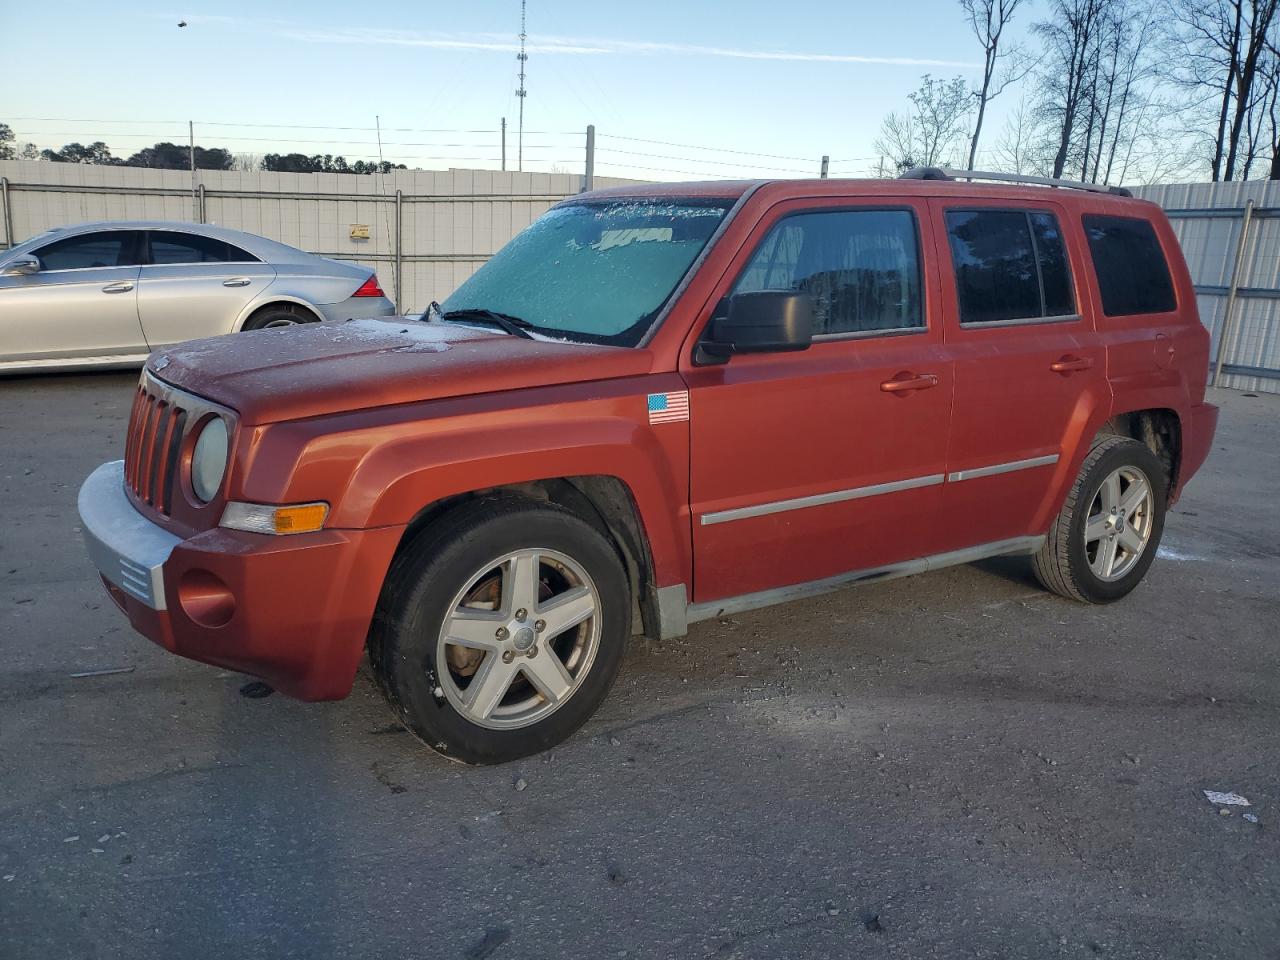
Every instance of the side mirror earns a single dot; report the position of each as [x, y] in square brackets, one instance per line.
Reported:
[769, 321]
[21, 267]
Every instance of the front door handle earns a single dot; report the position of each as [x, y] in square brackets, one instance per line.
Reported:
[1070, 363]
[124, 286]
[906, 382]
[237, 282]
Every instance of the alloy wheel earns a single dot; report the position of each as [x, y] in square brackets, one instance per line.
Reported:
[1119, 523]
[519, 639]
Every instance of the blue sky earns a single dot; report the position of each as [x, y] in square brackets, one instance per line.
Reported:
[796, 80]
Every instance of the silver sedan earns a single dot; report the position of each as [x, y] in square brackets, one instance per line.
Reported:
[106, 294]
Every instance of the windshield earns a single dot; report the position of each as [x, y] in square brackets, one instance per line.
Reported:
[599, 272]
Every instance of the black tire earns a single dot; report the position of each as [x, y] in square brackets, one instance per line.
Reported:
[1063, 563]
[431, 571]
[279, 315]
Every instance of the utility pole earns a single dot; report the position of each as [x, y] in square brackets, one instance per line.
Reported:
[504, 143]
[826, 160]
[523, 58]
[589, 180]
[195, 199]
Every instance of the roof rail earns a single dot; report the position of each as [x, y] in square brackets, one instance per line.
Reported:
[947, 173]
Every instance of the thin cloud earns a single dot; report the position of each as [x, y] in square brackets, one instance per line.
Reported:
[596, 46]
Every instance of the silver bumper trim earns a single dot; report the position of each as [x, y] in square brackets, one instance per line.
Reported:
[128, 549]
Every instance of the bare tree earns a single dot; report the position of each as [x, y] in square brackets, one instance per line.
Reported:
[932, 131]
[1071, 38]
[1217, 49]
[1002, 63]
[1022, 146]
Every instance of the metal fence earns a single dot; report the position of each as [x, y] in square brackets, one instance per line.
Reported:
[427, 231]
[1230, 236]
[424, 231]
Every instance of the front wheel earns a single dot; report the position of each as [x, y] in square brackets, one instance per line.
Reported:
[1107, 533]
[500, 629]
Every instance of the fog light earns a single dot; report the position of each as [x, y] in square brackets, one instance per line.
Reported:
[264, 518]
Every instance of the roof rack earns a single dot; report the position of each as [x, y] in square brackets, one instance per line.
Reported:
[947, 173]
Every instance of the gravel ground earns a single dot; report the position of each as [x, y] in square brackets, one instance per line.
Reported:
[955, 765]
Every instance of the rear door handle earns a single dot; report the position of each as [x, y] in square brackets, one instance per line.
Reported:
[1070, 363]
[906, 382]
[237, 282]
[124, 286]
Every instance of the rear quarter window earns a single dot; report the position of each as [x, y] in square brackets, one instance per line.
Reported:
[1133, 276]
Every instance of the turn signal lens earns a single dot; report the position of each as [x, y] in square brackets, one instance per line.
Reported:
[263, 518]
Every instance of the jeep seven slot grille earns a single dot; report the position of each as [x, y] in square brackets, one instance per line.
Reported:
[152, 447]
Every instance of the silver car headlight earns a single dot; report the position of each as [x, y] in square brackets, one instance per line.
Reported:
[209, 460]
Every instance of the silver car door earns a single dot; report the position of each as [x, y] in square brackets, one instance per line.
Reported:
[195, 286]
[82, 304]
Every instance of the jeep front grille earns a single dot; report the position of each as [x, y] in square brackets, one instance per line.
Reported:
[157, 426]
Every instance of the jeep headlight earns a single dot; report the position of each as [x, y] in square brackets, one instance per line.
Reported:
[209, 459]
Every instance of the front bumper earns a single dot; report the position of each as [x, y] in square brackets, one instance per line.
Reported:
[127, 548]
[293, 610]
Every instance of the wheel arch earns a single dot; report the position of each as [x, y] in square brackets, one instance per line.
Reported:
[274, 300]
[605, 501]
[1159, 428]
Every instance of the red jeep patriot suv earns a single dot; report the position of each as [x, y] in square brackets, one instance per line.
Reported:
[655, 405]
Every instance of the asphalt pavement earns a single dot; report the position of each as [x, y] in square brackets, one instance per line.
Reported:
[953, 765]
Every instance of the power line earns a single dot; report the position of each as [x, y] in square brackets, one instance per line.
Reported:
[668, 156]
[693, 146]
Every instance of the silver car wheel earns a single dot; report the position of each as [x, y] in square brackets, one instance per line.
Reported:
[520, 638]
[281, 322]
[1119, 523]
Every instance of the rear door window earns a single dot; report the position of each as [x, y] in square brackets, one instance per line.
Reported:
[168, 247]
[1010, 266]
[88, 251]
[1133, 276]
[861, 267]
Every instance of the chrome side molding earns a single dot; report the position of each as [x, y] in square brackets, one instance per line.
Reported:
[819, 499]
[998, 468]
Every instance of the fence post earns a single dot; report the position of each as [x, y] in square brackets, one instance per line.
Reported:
[825, 161]
[504, 144]
[1228, 312]
[200, 210]
[8, 214]
[399, 248]
[588, 181]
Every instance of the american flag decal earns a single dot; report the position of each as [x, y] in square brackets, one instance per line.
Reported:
[669, 407]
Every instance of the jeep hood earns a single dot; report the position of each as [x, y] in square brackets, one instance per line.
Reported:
[288, 373]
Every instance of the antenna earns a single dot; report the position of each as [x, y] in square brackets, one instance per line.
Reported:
[521, 93]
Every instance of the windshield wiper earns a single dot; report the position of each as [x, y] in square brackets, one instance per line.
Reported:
[504, 321]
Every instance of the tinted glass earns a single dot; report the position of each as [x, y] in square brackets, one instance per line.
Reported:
[1133, 276]
[169, 247]
[599, 272]
[995, 265]
[111, 248]
[861, 267]
[1055, 275]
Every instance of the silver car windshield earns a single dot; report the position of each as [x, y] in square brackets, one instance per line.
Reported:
[599, 272]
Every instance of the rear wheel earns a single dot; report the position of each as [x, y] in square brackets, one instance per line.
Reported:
[1107, 533]
[279, 315]
[500, 629]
